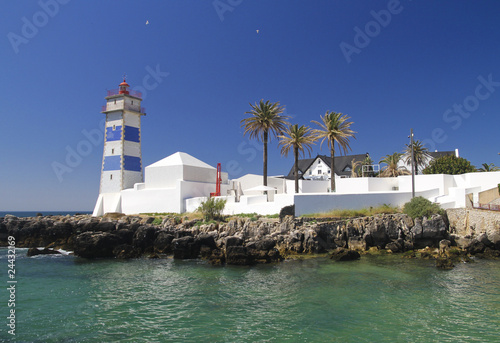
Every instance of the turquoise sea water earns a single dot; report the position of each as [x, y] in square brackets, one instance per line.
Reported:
[376, 299]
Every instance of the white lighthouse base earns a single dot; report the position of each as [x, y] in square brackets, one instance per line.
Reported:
[106, 203]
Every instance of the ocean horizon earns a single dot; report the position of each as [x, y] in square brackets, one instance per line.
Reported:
[24, 214]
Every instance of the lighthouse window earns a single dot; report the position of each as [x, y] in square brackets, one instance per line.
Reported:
[115, 101]
[112, 151]
[114, 127]
[132, 102]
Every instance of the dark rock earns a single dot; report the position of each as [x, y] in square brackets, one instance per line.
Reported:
[36, 251]
[106, 226]
[186, 248]
[39, 214]
[216, 257]
[475, 247]
[238, 255]
[341, 254]
[444, 263]
[144, 238]
[489, 253]
[444, 246]
[232, 241]
[206, 240]
[126, 251]
[96, 244]
[394, 247]
[376, 234]
[163, 242]
[287, 211]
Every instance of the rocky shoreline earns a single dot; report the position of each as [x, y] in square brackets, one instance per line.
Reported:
[243, 241]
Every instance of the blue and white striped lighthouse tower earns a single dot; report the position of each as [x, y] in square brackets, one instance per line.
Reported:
[122, 159]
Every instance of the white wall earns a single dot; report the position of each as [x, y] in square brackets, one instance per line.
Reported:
[162, 177]
[259, 204]
[318, 203]
[106, 203]
[151, 200]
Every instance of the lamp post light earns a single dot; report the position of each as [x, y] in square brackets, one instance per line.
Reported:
[412, 166]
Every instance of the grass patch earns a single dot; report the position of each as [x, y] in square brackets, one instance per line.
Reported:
[364, 212]
[158, 214]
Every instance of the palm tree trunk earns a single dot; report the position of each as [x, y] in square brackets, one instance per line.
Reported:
[296, 167]
[265, 159]
[332, 168]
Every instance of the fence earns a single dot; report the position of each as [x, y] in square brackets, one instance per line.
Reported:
[490, 207]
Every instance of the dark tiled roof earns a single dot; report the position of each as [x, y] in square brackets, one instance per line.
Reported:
[438, 154]
[341, 162]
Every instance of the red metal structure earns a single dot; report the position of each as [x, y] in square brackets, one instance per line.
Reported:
[218, 181]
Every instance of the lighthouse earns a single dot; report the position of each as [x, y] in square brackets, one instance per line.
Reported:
[122, 158]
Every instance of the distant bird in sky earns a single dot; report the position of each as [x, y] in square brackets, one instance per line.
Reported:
[257, 31]
[147, 22]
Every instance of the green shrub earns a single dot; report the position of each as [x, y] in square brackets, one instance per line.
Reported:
[157, 221]
[420, 207]
[212, 208]
[451, 165]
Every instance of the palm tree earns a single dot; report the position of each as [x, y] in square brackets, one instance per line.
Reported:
[488, 168]
[420, 155]
[355, 166]
[392, 169]
[265, 118]
[299, 138]
[335, 127]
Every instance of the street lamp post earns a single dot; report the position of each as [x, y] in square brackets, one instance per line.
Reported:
[412, 166]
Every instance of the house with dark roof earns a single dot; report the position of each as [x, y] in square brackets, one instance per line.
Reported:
[318, 168]
[432, 156]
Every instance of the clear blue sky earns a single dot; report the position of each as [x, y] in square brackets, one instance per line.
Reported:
[428, 65]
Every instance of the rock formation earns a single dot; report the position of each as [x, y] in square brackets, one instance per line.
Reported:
[240, 241]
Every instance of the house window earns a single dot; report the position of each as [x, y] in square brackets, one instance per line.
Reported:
[319, 172]
[319, 161]
[310, 172]
[328, 171]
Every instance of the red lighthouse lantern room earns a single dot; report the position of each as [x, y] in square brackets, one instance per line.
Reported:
[123, 87]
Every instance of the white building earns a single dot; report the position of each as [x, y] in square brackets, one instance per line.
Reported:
[180, 182]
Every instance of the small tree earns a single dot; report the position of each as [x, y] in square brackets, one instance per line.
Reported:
[420, 207]
[451, 165]
[212, 208]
